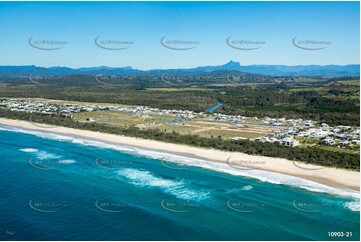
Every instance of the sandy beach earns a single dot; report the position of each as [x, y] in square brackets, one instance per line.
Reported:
[329, 176]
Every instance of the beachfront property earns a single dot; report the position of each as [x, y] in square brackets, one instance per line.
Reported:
[48, 108]
[182, 114]
[343, 136]
[287, 132]
[286, 141]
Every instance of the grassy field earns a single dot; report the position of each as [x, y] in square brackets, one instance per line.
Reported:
[239, 84]
[169, 123]
[179, 128]
[170, 89]
[335, 92]
[208, 131]
[227, 134]
[350, 82]
[302, 89]
[120, 119]
[355, 150]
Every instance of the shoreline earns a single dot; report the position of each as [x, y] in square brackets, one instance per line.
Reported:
[333, 177]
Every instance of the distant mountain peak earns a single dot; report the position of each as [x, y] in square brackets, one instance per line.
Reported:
[232, 65]
[112, 68]
[232, 62]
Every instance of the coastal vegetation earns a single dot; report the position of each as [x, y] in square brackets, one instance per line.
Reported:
[311, 155]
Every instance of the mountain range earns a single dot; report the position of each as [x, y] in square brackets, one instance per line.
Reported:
[269, 70]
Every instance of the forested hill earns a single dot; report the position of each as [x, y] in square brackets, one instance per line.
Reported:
[269, 70]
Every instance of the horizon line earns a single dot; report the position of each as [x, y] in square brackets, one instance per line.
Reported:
[175, 68]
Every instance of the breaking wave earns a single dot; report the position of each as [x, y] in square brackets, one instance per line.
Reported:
[176, 187]
[179, 189]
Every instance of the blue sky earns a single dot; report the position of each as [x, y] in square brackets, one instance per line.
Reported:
[207, 23]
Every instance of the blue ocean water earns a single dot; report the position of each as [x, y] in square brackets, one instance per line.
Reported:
[55, 187]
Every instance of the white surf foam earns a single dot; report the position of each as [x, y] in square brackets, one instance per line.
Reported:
[239, 190]
[58, 137]
[247, 188]
[29, 150]
[42, 155]
[353, 206]
[67, 161]
[178, 189]
[266, 176]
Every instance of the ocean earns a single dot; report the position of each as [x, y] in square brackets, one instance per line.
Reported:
[56, 187]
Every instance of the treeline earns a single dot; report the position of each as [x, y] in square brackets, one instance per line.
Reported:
[308, 155]
[195, 100]
[265, 100]
[154, 79]
[277, 102]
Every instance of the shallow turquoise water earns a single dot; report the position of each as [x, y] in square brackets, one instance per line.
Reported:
[62, 188]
